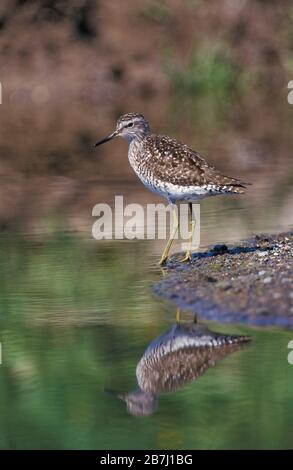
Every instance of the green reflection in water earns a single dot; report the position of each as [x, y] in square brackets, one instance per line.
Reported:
[75, 319]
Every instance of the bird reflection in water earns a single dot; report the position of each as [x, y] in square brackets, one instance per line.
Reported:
[177, 357]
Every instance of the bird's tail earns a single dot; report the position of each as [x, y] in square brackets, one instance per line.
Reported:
[237, 186]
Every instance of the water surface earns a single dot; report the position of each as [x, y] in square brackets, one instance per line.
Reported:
[75, 318]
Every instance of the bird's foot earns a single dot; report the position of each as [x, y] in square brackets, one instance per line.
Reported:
[163, 260]
[187, 257]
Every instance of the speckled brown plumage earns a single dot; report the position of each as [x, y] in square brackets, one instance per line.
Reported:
[169, 167]
[174, 359]
[182, 354]
[167, 159]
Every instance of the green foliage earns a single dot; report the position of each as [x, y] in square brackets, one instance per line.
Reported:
[209, 72]
[204, 91]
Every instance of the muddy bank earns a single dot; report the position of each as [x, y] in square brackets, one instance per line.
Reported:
[247, 283]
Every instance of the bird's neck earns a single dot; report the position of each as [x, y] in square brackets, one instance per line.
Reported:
[134, 150]
[137, 137]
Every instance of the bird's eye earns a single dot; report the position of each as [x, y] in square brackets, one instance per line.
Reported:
[130, 124]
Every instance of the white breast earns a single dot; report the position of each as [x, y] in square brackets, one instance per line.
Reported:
[170, 191]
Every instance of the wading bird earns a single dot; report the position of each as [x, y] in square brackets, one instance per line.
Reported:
[174, 359]
[172, 169]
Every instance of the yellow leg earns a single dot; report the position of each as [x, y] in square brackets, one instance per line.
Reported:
[187, 256]
[178, 315]
[173, 233]
[192, 225]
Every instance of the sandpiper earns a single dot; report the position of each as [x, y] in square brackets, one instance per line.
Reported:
[172, 169]
[174, 359]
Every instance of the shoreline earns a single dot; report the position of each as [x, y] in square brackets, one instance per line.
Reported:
[246, 283]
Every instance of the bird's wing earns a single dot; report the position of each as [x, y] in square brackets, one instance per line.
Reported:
[176, 163]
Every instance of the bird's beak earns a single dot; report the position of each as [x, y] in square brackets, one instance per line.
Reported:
[119, 395]
[106, 139]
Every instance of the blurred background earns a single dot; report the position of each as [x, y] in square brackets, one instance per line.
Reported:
[213, 74]
[76, 314]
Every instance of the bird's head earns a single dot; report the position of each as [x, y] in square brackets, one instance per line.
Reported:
[129, 126]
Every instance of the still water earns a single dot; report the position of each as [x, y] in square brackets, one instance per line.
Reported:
[75, 319]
